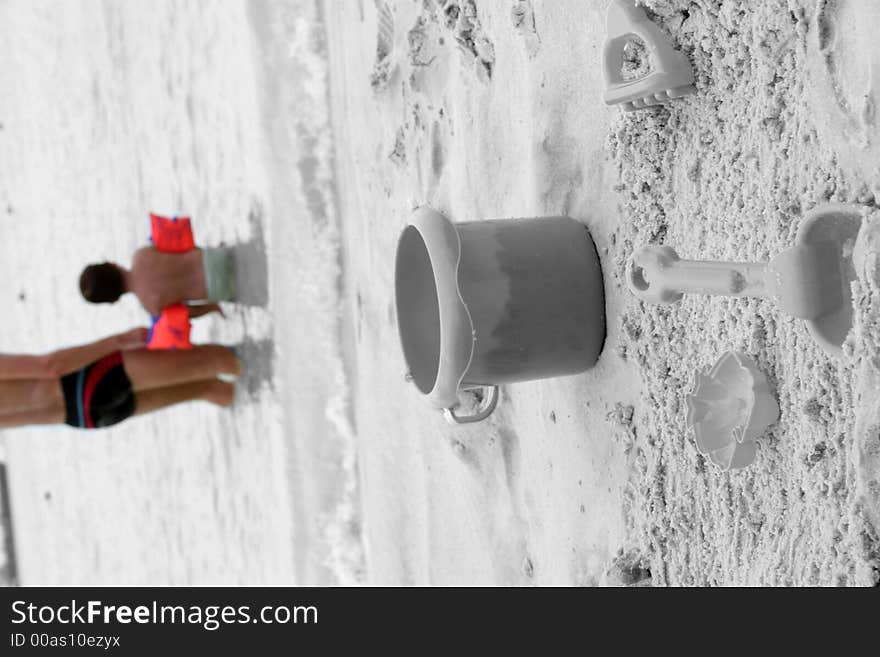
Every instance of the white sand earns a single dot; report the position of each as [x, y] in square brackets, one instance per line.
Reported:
[489, 110]
[531, 496]
[727, 174]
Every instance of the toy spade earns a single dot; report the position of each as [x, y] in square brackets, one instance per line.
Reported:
[810, 281]
[671, 75]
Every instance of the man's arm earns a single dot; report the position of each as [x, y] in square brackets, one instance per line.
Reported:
[24, 367]
[65, 361]
[205, 309]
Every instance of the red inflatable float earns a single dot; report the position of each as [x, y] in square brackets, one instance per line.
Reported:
[170, 330]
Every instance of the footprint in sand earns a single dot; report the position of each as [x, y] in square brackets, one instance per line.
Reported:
[422, 48]
[844, 66]
[845, 38]
[523, 17]
[382, 69]
[460, 18]
[435, 30]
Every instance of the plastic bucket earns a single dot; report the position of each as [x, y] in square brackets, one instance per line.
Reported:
[492, 302]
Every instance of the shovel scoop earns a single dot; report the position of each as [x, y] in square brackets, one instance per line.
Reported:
[810, 281]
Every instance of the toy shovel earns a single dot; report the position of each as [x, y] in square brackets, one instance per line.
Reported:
[810, 281]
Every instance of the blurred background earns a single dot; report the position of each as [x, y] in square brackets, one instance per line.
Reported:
[219, 111]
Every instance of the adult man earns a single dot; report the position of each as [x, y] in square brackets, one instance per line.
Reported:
[105, 382]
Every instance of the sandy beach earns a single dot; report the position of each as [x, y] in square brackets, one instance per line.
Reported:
[304, 133]
[177, 109]
[494, 110]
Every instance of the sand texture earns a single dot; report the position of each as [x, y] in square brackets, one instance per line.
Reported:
[491, 110]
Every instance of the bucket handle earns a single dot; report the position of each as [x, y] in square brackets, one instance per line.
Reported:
[489, 404]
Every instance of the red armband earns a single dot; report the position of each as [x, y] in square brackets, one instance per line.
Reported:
[171, 235]
[171, 329]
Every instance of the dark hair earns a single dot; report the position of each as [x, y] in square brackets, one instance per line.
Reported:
[102, 283]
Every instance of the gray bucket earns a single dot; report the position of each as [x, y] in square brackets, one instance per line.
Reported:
[491, 302]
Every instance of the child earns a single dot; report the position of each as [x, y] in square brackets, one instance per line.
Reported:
[160, 279]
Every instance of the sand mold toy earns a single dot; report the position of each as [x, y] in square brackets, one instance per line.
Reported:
[810, 280]
[730, 406]
[671, 74]
[485, 303]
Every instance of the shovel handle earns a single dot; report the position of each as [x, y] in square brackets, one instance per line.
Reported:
[658, 275]
[489, 404]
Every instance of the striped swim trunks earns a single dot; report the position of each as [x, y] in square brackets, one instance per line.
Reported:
[219, 275]
[98, 395]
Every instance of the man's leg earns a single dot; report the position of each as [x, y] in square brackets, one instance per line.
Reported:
[148, 369]
[215, 391]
